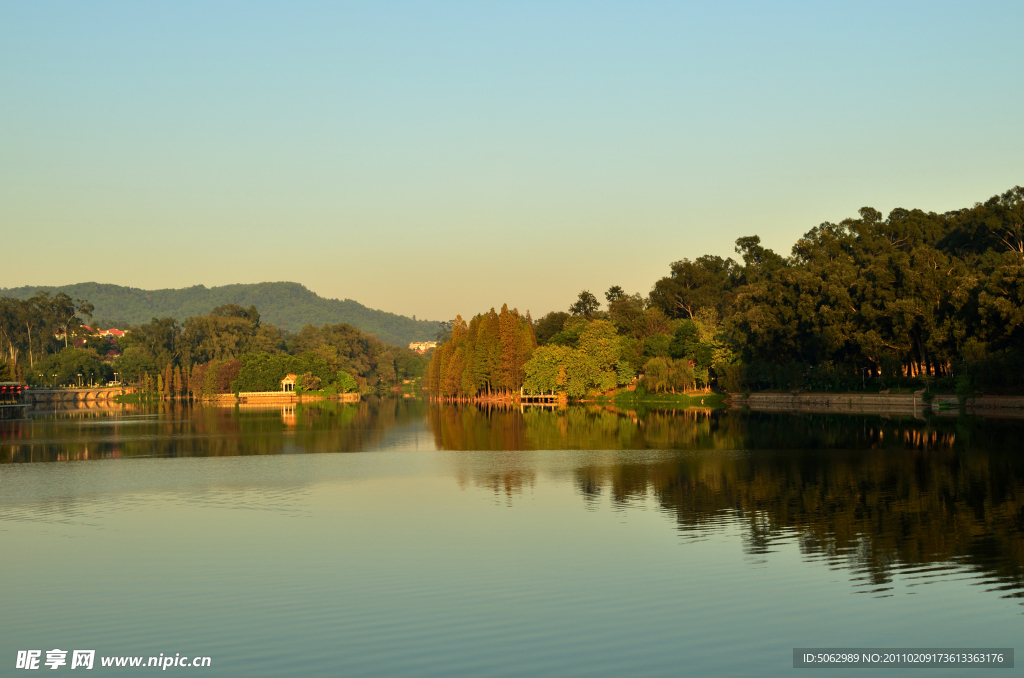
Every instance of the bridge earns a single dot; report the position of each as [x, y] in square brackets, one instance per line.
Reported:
[38, 396]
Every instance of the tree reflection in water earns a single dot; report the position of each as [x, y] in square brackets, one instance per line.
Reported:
[180, 430]
[877, 495]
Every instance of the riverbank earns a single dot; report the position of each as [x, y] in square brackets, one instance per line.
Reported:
[269, 397]
[914, 404]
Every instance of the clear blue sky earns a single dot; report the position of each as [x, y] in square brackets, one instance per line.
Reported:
[434, 158]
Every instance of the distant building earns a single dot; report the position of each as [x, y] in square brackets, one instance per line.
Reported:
[112, 332]
[422, 346]
[288, 383]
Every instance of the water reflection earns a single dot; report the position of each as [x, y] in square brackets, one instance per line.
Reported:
[873, 510]
[878, 496]
[497, 427]
[883, 498]
[181, 430]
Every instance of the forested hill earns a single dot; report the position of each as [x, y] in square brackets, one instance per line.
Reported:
[288, 305]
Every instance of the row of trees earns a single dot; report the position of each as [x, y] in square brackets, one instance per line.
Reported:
[864, 303]
[484, 358]
[44, 341]
[915, 295]
[867, 303]
[578, 352]
[230, 349]
[33, 329]
[589, 350]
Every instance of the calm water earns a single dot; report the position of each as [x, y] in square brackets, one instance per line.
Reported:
[398, 538]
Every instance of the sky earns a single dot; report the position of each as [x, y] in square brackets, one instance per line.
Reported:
[434, 158]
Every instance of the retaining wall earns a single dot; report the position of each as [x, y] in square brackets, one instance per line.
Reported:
[912, 404]
[282, 397]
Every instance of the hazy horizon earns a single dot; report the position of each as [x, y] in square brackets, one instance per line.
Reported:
[441, 159]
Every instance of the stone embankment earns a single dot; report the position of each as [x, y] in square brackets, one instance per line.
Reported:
[282, 397]
[101, 396]
[913, 404]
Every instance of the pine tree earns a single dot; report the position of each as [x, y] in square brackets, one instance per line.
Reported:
[507, 325]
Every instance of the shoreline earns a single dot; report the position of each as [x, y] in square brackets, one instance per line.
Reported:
[880, 403]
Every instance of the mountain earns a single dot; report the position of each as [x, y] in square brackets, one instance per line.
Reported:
[288, 305]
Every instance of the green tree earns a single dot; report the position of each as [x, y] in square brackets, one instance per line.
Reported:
[595, 364]
[586, 305]
[707, 282]
[549, 326]
[63, 368]
[345, 383]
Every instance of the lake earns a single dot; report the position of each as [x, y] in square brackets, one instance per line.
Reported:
[399, 537]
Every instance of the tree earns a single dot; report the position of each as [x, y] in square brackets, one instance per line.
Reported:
[67, 312]
[656, 374]
[444, 331]
[385, 371]
[34, 314]
[162, 340]
[546, 372]
[549, 325]
[757, 260]
[133, 363]
[586, 305]
[627, 312]
[595, 364]
[10, 318]
[345, 383]
[706, 282]
[309, 382]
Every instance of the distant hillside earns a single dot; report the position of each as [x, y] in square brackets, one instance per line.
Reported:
[285, 304]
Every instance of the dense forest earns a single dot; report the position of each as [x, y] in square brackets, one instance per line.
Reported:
[44, 342]
[915, 299]
[287, 305]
